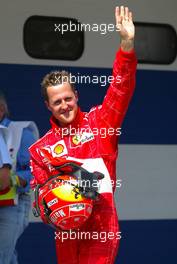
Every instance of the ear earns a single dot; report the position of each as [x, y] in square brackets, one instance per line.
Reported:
[76, 95]
[1, 107]
[47, 105]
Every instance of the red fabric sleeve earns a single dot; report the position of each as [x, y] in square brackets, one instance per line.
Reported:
[120, 91]
[40, 176]
[39, 173]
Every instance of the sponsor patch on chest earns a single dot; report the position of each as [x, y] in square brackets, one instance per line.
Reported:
[57, 150]
[80, 138]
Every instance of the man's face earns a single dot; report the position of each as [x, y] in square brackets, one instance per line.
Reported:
[62, 102]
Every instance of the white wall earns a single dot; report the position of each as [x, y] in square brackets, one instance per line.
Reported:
[99, 49]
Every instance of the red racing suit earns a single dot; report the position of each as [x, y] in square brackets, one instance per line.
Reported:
[92, 138]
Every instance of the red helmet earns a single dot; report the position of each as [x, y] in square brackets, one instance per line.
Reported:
[62, 199]
[62, 202]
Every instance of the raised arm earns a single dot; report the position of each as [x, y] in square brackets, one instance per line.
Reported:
[120, 91]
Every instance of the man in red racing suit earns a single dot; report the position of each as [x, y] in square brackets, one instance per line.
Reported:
[90, 138]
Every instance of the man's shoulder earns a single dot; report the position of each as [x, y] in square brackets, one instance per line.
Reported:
[93, 112]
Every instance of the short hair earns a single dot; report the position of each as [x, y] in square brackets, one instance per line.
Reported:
[54, 78]
[3, 102]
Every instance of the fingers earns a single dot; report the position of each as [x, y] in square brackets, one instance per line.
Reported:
[122, 13]
[130, 16]
[126, 13]
[117, 15]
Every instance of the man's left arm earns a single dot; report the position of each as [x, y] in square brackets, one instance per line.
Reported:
[121, 89]
[23, 161]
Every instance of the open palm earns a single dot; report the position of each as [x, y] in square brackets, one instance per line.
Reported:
[124, 23]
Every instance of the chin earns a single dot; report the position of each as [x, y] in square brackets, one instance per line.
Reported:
[66, 121]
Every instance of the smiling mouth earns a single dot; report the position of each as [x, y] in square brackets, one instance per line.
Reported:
[66, 114]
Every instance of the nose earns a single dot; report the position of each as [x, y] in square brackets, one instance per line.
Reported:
[64, 105]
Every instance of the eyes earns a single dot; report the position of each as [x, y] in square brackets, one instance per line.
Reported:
[67, 99]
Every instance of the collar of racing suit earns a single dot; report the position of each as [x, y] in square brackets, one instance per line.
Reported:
[75, 125]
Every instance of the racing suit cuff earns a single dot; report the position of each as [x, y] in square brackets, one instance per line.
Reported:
[128, 55]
